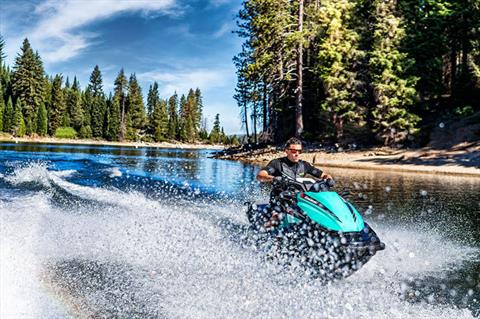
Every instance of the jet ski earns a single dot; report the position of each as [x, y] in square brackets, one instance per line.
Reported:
[313, 226]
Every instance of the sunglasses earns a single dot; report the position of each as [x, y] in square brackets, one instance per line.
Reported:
[294, 150]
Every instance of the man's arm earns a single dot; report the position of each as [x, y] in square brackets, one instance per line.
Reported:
[317, 172]
[267, 173]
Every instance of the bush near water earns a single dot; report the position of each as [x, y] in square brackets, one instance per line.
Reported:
[65, 132]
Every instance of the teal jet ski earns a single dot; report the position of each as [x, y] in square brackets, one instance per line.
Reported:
[316, 226]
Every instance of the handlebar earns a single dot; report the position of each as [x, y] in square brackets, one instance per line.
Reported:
[318, 186]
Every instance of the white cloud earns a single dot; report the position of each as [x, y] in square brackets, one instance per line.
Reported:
[182, 81]
[57, 35]
[224, 29]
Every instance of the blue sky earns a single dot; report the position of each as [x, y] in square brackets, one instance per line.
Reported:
[178, 43]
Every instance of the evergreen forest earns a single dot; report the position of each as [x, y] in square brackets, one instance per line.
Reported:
[382, 72]
[34, 104]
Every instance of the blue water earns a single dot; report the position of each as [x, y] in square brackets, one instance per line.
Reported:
[94, 231]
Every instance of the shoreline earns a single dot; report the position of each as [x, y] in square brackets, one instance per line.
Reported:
[462, 160]
[65, 141]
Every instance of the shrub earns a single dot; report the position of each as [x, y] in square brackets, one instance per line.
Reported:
[65, 132]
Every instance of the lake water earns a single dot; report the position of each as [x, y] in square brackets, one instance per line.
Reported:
[90, 231]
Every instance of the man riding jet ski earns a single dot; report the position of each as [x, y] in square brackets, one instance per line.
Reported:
[310, 223]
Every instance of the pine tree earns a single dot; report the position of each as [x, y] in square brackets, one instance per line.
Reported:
[198, 109]
[338, 55]
[215, 134]
[74, 105]
[2, 101]
[8, 116]
[120, 101]
[28, 84]
[42, 120]
[18, 128]
[172, 117]
[98, 103]
[182, 119]
[136, 109]
[58, 106]
[152, 103]
[159, 118]
[160, 121]
[393, 92]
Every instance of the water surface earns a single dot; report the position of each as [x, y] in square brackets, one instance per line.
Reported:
[147, 233]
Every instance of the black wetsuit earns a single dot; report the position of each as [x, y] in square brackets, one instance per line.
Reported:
[283, 166]
[294, 170]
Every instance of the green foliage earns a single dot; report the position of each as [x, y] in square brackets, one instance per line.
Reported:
[159, 116]
[97, 103]
[58, 106]
[2, 101]
[394, 93]
[85, 132]
[45, 107]
[234, 140]
[338, 54]
[172, 117]
[65, 132]
[8, 116]
[377, 64]
[28, 84]
[42, 120]
[215, 134]
[18, 128]
[464, 111]
[136, 110]
[117, 125]
[74, 105]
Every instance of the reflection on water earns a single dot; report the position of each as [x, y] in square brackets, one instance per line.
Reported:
[140, 232]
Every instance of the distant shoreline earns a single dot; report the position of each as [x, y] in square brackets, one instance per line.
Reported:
[461, 160]
[52, 140]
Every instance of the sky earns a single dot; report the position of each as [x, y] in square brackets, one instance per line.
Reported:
[178, 43]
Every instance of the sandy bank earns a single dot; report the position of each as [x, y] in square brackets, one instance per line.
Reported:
[51, 140]
[462, 159]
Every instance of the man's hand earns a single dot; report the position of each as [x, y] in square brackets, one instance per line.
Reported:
[264, 177]
[326, 176]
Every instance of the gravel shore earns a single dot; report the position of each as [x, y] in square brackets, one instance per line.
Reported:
[462, 159]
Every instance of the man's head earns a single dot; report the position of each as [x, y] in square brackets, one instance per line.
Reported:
[293, 148]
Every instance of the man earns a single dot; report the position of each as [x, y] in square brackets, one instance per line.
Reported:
[291, 165]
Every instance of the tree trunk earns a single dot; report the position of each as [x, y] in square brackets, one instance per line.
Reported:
[265, 107]
[299, 89]
[246, 119]
[255, 122]
[338, 122]
[122, 122]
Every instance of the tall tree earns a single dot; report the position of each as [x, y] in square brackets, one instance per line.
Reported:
[215, 136]
[2, 104]
[393, 91]
[98, 103]
[299, 88]
[42, 120]
[58, 106]
[28, 84]
[160, 121]
[338, 57]
[172, 116]
[8, 116]
[136, 109]
[120, 102]
[74, 105]
[18, 127]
